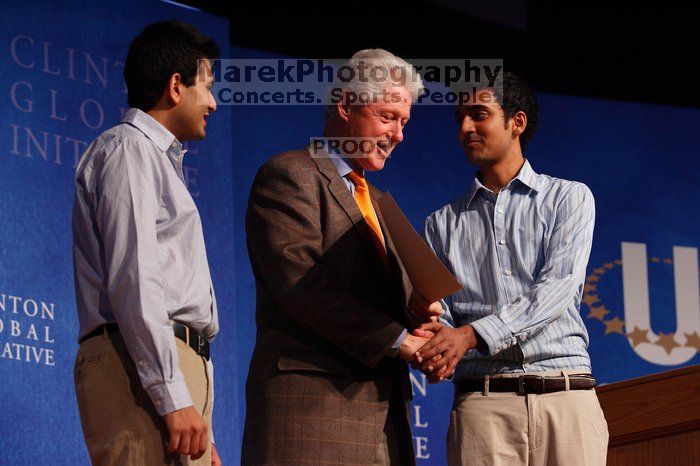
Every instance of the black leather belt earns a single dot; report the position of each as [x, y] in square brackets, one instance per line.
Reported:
[526, 384]
[106, 328]
[195, 341]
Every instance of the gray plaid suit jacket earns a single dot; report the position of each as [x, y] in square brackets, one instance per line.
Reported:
[328, 310]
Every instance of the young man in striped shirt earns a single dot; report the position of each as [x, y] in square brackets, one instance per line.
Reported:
[512, 338]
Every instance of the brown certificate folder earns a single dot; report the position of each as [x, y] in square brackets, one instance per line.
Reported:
[429, 276]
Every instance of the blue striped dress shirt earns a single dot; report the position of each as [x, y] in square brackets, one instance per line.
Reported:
[521, 258]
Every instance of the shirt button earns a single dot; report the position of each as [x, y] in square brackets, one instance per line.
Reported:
[173, 145]
[509, 272]
[500, 210]
[502, 241]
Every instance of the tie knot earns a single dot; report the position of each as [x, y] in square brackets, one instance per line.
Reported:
[358, 179]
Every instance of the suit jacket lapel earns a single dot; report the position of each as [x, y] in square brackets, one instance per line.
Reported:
[342, 194]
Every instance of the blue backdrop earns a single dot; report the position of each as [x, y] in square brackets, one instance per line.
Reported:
[62, 85]
[637, 159]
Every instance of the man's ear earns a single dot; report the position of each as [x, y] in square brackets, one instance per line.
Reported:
[519, 123]
[173, 92]
[344, 108]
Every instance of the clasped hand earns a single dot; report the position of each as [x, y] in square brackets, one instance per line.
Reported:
[433, 348]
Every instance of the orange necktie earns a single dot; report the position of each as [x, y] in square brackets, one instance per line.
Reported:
[365, 204]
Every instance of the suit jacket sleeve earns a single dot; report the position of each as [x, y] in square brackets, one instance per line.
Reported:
[285, 243]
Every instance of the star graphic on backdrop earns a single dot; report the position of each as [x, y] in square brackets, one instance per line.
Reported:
[608, 265]
[693, 339]
[592, 278]
[668, 261]
[638, 336]
[599, 271]
[587, 288]
[590, 299]
[614, 325]
[655, 259]
[597, 312]
[666, 341]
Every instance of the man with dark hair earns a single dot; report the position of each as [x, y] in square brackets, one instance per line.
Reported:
[145, 301]
[160, 50]
[518, 243]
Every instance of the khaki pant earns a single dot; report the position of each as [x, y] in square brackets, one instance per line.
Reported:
[120, 423]
[564, 428]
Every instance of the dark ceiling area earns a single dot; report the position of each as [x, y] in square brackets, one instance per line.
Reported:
[634, 53]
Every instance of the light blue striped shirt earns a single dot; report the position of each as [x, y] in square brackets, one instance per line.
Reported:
[521, 258]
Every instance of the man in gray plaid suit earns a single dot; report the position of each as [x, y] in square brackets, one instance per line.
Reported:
[328, 380]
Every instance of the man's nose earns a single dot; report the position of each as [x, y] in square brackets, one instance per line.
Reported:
[397, 132]
[467, 126]
[212, 103]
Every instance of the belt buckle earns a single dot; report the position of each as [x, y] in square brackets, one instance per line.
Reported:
[203, 347]
[521, 383]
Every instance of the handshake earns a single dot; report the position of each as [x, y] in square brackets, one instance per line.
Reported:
[432, 347]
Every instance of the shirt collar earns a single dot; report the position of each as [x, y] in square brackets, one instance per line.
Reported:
[341, 163]
[526, 176]
[476, 186]
[159, 134]
[529, 178]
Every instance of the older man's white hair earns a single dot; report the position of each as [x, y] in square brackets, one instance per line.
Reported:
[370, 73]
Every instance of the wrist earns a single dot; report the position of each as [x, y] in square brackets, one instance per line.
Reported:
[470, 336]
[405, 347]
